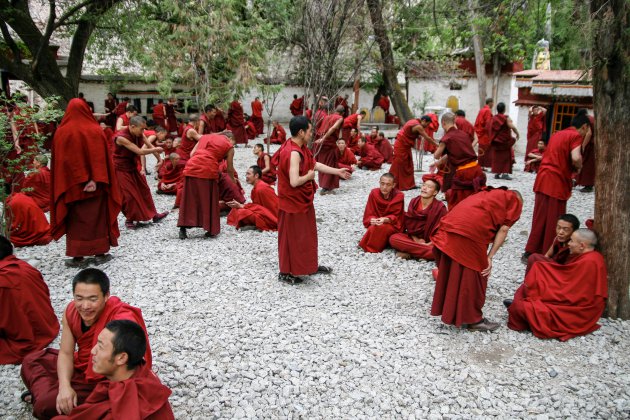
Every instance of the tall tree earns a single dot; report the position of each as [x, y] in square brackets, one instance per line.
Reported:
[611, 97]
[27, 54]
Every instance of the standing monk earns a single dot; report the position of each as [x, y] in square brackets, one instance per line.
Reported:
[206, 122]
[236, 122]
[257, 118]
[468, 177]
[110, 106]
[402, 165]
[352, 122]
[554, 182]
[481, 128]
[383, 215]
[463, 124]
[460, 252]
[86, 198]
[170, 113]
[190, 136]
[59, 380]
[586, 177]
[297, 106]
[297, 228]
[158, 113]
[137, 204]
[200, 192]
[536, 127]
[262, 212]
[326, 145]
[501, 142]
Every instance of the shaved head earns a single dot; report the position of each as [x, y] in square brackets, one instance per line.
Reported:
[388, 175]
[137, 121]
[448, 118]
[587, 236]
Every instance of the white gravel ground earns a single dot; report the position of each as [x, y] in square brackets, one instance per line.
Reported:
[231, 341]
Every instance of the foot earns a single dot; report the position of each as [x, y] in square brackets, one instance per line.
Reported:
[174, 207]
[507, 302]
[248, 227]
[525, 256]
[158, 191]
[497, 176]
[130, 225]
[484, 325]
[507, 177]
[159, 216]
[289, 278]
[587, 189]
[403, 255]
[102, 258]
[182, 233]
[324, 191]
[26, 396]
[322, 269]
[75, 262]
[210, 235]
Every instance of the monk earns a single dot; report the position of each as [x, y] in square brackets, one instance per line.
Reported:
[383, 215]
[29, 226]
[384, 147]
[534, 157]
[353, 142]
[229, 190]
[402, 164]
[297, 105]
[137, 202]
[481, 128]
[264, 163]
[326, 151]
[206, 121]
[86, 197]
[190, 136]
[352, 122]
[168, 147]
[250, 129]
[262, 212]
[431, 129]
[170, 113]
[559, 250]
[257, 117]
[158, 113]
[554, 182]
[468, 177]
[373, 135]
[369, 158]
[278, 134]
[200, 192]
[37, 183]
[131, 389]
[536, 127]
[123, 120]
[463, 124]
[170, 175]
[464, 262]
[236, 122]
[501, 141]
[155, 138]
[27, 319]
[121, 107]
[345, 158]
[563, 300]
[110, 106]
[586, 177]
[297, 227]
[59, 380]
[422, 216]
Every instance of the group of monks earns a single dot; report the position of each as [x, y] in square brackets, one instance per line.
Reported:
[94, 177]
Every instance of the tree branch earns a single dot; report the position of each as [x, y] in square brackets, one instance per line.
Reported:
[17, 55]
[45, 39]
[68, 14]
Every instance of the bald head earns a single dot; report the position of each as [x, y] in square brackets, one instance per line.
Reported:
[448, 120]
[137, 121]
[582, 240]
[587, 236]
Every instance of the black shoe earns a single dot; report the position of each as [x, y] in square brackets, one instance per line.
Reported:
[587, 189]
[525, 256]
[182, 233]
[484, 325]
[507, 302]
[210, 235]
[507, 177]
[497, 176]
[76, 262]
[322, 269]
[102, 259]
[289, 278]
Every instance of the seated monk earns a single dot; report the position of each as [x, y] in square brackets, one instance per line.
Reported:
[59, 380]
[27, 320]
[563, 300]
[37, 183]
[534, 157]
[262, 212]
[353, 141]
[279, 134]
[372, 138]
[384, 147]
[369, 157]
[229, 190]
[170, 175]
[559, 249]
[346, 158]
[383, 215]
[250, 128]
[169, 146]
[264, 163]
[131, 390]
[422, 216]
[29, 226]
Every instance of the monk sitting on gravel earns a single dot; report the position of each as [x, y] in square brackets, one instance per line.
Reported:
[262, 212]
[383, 215]
[370, 158]
[131, 390]
[59, 380]
[422, 216]
[278, 134]
[263, 161]
[29, 226]
[27, 319]
[37, 184]
[346, 158]
[170, 174]
[563, 300]
[559, 250]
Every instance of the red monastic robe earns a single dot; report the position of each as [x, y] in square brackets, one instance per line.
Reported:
[553, 188]
[27, 320]
[561, 300]
[536, 126]
[187, 145]
[110, 106]
[419, 222]
[431, 129]
[278, 135]
[250, 130]
[297, 106]
[158, 115]
[262, 212]
[353, 144]
[171, 117]
[533, 167]
[236, 122]
[385, 148]
[463, 124]
[402, 165]
[39, 369]
[170, 174]
[586, 177]
[80, 153]
[481, 128]
[328, 151]
[346, 159]
[268, 177]
[257, 119]
[376, 238]
[461, 253]
[560, 253]
[29, 226]
[370, 158]
[39, 183]
[350, 122]
[501, 142]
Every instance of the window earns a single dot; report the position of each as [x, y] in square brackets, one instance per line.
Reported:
[562, 116]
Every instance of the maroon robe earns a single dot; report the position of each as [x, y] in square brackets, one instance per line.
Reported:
[535, 129]
[376, 237]
[278, 135]
[586, 176]
[370, 158]
[170, 174]
[268, 177]
[262, 212]
[346, 159]
[171, 117]
[402, 165]
[501, 142]
[385, 148]
[29, 226]
[236, 122]
[297, 106]
[257, 118]
[481, 128]
[328, 151]
[419, 222]
[39, 184]
[463, 124]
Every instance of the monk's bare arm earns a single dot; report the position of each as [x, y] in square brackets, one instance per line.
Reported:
[576, 158]
[230, 164]
[192, 134]
[121, 141]
[440, 150]
[119, 124]
[331, 130]
[294, 171]
[513, 128]
[67, 397]
[340, 172]
[267, 167]
[587, 140]
[549, 252]
[202, 125]
[419, 130]
[475, 140]
[499, 238]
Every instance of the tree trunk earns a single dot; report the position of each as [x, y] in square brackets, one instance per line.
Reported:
[480, 63]
[496, 76]
[611, 97]
[387, 57]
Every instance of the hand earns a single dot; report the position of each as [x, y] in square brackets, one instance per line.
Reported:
[66, 400]
[143, 172]
[90, 187]
[234, 204]
[157, 150]
[488, 270]
[319, 141]
[18, 149]
[344, 173]
[310, 175]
